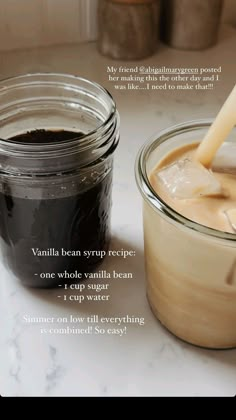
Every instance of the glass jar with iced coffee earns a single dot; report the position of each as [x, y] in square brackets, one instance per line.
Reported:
[189, 212]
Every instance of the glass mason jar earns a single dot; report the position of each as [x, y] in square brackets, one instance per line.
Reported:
[190, 268]
[55, 197]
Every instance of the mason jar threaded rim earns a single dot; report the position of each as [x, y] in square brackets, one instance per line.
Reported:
[102, 137]
[151, 196]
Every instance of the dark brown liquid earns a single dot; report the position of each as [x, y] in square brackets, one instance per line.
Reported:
[45, 136]
[75, 222]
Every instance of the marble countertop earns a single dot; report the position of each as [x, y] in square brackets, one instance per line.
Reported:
[147, 360]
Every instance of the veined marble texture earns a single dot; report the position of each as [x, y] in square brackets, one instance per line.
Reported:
[147, 361]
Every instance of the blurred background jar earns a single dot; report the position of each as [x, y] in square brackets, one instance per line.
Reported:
[191, 25]
[128, 29]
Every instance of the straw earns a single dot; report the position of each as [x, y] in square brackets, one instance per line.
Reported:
[218, 132]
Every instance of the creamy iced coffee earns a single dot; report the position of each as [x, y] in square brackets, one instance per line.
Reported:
[189, 238]
[214, 207]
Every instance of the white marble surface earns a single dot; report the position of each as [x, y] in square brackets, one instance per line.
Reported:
[147, 360]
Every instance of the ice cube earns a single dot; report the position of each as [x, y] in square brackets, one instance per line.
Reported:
[186, 178]
[231, 216]
[225, 159]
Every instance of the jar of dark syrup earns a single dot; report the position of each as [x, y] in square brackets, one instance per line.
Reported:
[59, 134]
